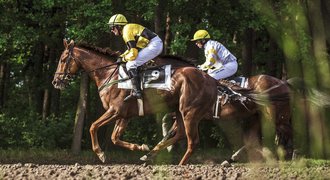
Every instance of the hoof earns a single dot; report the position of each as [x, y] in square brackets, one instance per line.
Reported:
[225, 164]
[144, 158]
[145, 147]
[101, 156]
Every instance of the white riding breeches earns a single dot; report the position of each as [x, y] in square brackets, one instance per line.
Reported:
[225, 71]
[153, 49]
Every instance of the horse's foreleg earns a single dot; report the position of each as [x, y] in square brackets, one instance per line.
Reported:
[118, 130]
[104, 119]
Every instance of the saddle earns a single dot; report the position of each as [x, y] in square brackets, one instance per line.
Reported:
[234, 85]
[151, 76]
[230, 90]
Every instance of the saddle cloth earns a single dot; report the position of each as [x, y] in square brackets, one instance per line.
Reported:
[240, 81]
[158, 77]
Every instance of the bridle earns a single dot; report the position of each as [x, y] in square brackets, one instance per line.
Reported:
[67, 72]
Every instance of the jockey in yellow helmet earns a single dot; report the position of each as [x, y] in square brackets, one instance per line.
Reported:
[142, 46]
[220, 62]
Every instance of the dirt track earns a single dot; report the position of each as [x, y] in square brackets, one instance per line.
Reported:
[35, 171]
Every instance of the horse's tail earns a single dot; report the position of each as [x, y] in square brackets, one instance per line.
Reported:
[313, 95]
[265, 98]
[297, 84]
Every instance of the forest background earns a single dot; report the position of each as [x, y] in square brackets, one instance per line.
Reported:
[281, 38]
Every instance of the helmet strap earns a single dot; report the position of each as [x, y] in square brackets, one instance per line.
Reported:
[119, 28]
[204, 41]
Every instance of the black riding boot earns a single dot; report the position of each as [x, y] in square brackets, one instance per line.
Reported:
[134, 75]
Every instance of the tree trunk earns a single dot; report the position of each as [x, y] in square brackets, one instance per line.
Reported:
[167, 40]
[4, 76]
[247, 51]
[159, 17]
[47, 80]
[80, 114]
[319, 42]
[35, 80]
[55, 93]
[45, 105]
[272, 64]
[325, 5]
[322, 63]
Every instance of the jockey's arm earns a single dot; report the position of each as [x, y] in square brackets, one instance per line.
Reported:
[129, 34]
[211, 56]
[131, 53]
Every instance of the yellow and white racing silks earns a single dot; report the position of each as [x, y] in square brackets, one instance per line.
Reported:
[136, 37]
[216, 55]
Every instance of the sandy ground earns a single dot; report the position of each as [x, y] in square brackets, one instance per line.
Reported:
[113, 171]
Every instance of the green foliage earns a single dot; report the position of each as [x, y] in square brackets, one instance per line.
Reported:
[138, 132]
[29, 131]
[88, 21]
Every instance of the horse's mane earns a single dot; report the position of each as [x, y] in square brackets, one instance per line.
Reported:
[190, 61]
[108, 52]
[104, 51]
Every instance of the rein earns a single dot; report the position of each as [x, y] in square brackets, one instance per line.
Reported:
[105, 84]
[108, 82]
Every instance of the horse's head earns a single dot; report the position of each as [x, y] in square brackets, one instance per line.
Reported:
[67, 66]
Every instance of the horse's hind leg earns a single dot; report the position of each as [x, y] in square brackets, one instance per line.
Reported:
[191, 126]
[284, 132]
[174, 134]
[252, 137]
[118, 130]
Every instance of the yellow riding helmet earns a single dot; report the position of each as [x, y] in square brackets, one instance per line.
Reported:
[200, 35]
[117, 19]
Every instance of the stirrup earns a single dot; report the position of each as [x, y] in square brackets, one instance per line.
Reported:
[133, 94]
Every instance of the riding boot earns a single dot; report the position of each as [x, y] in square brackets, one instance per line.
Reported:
[134, 75]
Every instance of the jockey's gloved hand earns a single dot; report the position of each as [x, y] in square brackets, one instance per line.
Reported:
[201, 68]
[119, 60]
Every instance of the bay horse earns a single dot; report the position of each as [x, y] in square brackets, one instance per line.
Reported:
[192, 94]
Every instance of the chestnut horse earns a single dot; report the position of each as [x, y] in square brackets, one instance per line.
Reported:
[187, 95]
[192, 97]
[270, 97]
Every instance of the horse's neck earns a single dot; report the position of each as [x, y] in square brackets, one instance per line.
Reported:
[95, 65]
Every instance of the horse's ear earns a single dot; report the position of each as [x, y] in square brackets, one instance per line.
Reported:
[65, 43]
[71, 44]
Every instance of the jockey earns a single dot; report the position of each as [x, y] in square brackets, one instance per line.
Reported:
[220, 62]
[142, 46]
